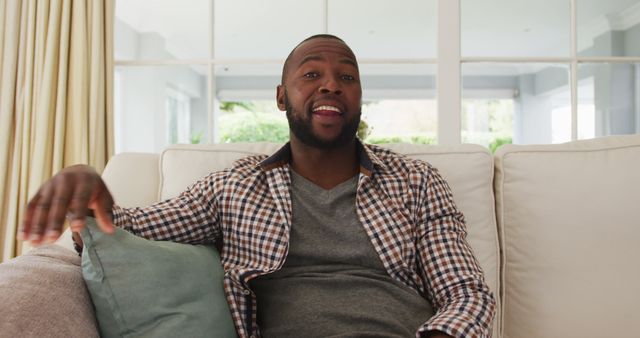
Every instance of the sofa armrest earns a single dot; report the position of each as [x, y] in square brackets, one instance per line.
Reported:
[43, 295]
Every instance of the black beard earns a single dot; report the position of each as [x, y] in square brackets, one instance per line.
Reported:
[301, 128]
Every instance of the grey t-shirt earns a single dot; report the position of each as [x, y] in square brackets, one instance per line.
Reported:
[333, 283]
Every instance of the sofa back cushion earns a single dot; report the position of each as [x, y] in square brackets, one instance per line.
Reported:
[181, 165]
[569, 220]
[469, 171]
[133, 178]
[467, 168]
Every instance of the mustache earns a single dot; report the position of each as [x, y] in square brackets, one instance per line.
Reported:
[309, 111]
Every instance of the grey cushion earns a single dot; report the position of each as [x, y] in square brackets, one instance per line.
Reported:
[42, 294]
[143, 288]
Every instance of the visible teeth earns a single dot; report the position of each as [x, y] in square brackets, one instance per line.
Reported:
[332, 108]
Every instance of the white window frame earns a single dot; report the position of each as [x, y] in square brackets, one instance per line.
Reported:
[448, 63]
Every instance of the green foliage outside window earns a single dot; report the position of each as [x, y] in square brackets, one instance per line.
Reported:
[492, 125]
[253, 127]
[231, 106]
[252, 122]
[415, 139]
[497, 142]
[255, 122]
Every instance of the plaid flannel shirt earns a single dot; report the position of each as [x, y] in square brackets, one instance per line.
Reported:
[404, 205]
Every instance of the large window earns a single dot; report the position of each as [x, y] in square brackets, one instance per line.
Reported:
[569, 67]
[488, 72]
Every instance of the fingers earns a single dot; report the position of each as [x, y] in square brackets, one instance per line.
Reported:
[102, 206]
[44, 215]
[92, 194]
[57, 212]
[40, 214]
[79, 206]
[72, 192]
[25, 227]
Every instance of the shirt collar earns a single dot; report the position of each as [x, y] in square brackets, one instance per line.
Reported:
[368, 160]
[278, 159]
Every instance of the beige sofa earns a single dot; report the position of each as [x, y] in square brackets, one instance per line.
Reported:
[556, 228]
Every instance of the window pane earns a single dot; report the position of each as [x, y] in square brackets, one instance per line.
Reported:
[488, 122]
[159, 105]
[148, 29]
[608, 28]
[247, 82]
[398, 81]
[256, 29]
[608, 99]
[523, 103]
[261, 121]
[399, 102]
[515, 28]
[396, 121]
[244, 91]
[252, 121]
[386, 29]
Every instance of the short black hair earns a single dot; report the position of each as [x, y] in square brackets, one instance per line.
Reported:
[317, 36]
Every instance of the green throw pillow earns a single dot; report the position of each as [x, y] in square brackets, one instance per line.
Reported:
[143, 288]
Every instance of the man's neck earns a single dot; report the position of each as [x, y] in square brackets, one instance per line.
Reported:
[324, 167]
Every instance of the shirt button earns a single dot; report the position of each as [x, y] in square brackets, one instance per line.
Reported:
[246, 292]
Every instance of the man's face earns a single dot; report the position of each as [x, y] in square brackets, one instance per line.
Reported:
[321, 94]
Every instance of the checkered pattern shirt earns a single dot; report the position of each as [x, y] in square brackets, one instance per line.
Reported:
[404, 205]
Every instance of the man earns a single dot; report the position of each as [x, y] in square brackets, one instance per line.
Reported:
[327, 237]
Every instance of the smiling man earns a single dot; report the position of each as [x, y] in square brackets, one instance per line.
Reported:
[328, 237]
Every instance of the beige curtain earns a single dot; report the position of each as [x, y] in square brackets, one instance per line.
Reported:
[56, 68]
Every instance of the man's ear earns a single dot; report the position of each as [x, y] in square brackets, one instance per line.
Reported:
[280, 98]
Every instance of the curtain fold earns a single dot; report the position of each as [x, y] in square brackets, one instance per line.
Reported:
[56, 68]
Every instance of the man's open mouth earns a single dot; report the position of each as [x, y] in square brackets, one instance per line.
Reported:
[327, 110]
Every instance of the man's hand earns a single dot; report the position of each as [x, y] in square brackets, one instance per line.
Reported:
[72, 193]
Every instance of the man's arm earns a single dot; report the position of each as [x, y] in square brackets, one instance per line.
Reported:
[465, 305]
[78, 191]
[191, 217]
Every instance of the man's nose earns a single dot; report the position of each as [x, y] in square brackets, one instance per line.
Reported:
[331, 85]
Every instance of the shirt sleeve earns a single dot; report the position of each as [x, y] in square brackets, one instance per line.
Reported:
[446, 264]
[192, 217]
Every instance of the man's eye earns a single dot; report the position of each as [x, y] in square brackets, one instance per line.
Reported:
[348, 77]
[311, 75]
